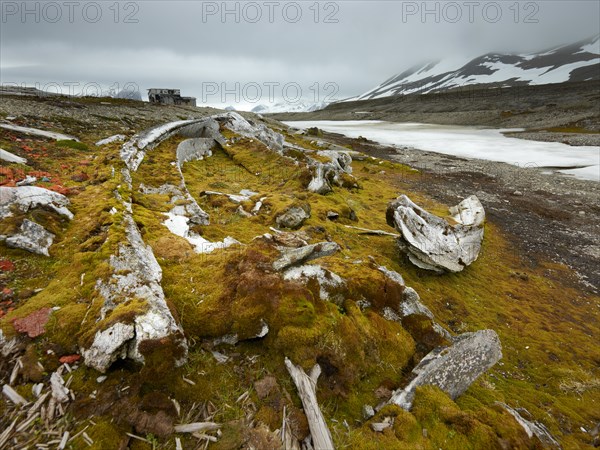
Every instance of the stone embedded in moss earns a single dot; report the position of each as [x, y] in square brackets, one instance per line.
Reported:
[453, 368]
[34, 324]
[293, 256]
[294, 216]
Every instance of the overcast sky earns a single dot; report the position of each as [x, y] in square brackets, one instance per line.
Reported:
[190, 45]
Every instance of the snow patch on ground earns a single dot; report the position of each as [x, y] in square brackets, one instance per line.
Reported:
[178, 225]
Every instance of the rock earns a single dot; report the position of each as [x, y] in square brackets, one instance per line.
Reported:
[136, 275]
[290, 239]
[328, 281]
[258, 205]
[34, 324]
[193, 211]
[453, 368]
[469, 212]
[368, 412]
[293, 256]
[415, 317]
[319, 183]
[177, 222]
[31, 237]
[430, 241]
[533, 428]
[69, 359]
[313, 131]
[332, 215]
[242, 212]
[26, 198]
[378, 427]
[293, 217]
[10, 158]
[517, 194]
[265, 386]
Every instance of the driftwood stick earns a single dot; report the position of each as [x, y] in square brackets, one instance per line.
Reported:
[307, 390]
[374, 232]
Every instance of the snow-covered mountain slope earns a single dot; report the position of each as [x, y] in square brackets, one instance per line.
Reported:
[574, 62]
[280, 107]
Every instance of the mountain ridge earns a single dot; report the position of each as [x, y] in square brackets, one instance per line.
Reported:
[579, 61]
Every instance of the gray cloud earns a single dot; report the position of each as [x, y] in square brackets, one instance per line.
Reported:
[171, 44]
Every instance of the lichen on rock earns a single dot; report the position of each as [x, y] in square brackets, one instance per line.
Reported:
[453, 368]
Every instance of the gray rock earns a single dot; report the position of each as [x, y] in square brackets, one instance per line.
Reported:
[293, 256]
[368, 411]
[430, 242]
[533, 428]
[25, 198]
[293, 217]
[410, 306]
[332, 215]
[289, 239]
[243, 196]
[453, 368]
[196, 214]
[31, 237]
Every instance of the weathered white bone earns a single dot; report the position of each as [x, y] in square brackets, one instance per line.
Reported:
[431, 242]
[307, 390]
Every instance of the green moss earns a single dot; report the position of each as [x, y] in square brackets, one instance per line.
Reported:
[75, 145]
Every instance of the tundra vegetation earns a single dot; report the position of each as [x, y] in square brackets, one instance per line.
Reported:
[241, 318]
